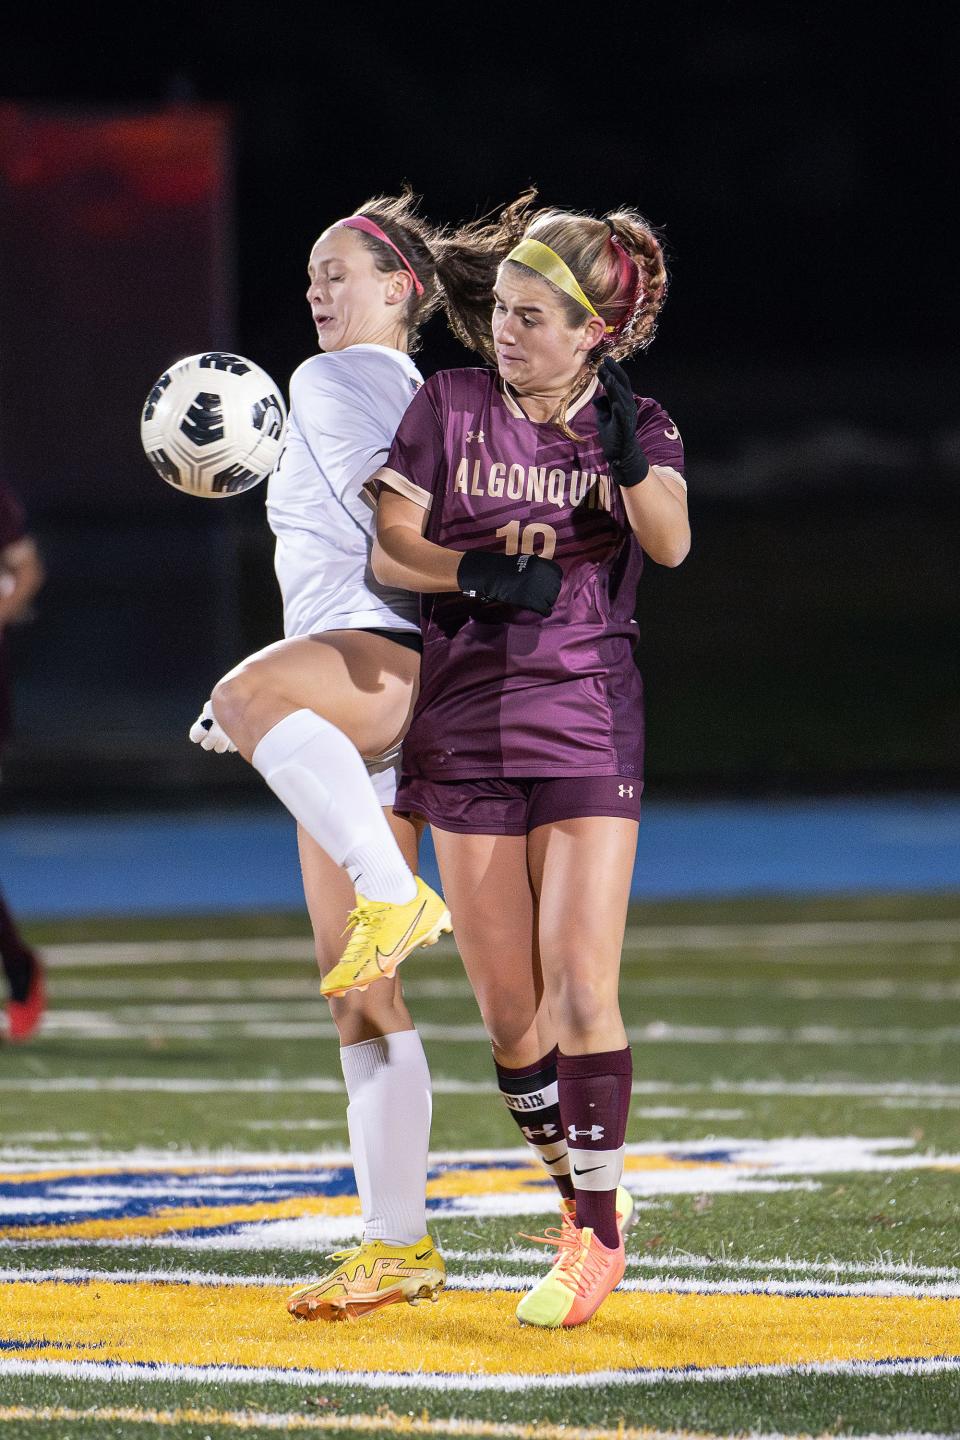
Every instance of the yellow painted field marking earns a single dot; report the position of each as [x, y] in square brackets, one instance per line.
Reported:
[386, 1420]
[188, 1217]
[214, 1325]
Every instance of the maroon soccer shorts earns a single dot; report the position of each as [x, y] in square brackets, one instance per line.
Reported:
[515, 807]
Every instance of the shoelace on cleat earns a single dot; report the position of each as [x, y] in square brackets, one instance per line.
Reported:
[570, 1249]
[345, 1254]
[360, 920]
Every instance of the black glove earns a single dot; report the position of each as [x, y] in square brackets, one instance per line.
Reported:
[527, 581]
[617, 423]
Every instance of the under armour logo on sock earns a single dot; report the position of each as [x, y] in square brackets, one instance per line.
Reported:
[595, 1132]
[534, 1133]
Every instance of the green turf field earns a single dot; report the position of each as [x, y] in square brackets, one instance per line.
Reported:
[173, 1158]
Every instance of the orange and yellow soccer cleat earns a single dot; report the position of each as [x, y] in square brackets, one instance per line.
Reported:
[582, 1277]
[369, 1276]
[383, 935]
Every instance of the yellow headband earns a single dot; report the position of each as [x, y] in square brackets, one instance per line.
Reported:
[546, 262]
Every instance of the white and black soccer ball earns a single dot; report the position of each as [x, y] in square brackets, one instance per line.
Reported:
[213, 425]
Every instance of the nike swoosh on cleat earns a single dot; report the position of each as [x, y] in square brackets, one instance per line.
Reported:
[403, 939]
[423, 1256]
[589, 1170]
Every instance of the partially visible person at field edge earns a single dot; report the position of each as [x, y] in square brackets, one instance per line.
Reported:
[338, 687]
[21, 576]
[520, 501]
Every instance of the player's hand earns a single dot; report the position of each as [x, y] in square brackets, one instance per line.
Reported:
[616, 411]
[206, 733]
[527, 581]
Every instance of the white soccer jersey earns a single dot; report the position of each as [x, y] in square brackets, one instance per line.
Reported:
[345, 407]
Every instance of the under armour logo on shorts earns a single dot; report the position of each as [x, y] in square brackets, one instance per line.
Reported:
[626, 792]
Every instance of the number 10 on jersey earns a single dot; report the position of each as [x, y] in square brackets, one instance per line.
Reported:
[524, 542]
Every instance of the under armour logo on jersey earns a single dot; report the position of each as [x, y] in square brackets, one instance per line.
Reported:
[594, 1133]
[626, 792]
[474, 435]
[544, 1132]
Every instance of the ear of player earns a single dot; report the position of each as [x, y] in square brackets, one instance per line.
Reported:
[616, 412]
[527, 581]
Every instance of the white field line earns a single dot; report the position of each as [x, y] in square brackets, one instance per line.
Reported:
[677, 1260]
[748, 1162]
[111, 1025]
[403, 1425]
[703, 987]
[385, 1380]
[449, 1085]
[805, 934]
[491, 1281]
[366, 1424]
[673, 1261]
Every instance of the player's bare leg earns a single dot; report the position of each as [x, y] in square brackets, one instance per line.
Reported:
[303, 712]
[493, 908]
[581, 870]
[388, 1085]
[494, 914]
[361, 683]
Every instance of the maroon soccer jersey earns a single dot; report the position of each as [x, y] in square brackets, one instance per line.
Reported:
[504, 691]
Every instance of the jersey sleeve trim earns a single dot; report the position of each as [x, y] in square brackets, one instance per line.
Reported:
[667, 471]
[403, 486]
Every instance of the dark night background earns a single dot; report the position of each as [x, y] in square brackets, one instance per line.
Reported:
[799, 164]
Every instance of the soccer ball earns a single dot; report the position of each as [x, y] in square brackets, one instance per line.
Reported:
[213, 425]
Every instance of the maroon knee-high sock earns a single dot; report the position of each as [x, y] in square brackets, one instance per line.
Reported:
[530, 1094]
[594, 1093]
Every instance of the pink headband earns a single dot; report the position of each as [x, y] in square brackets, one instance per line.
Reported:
[369, 227]
[627, 266]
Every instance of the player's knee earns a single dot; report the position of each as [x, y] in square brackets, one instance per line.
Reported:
[581, 1005]
[231, 696]
[507, 1023]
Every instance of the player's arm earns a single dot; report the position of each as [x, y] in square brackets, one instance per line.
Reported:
[21, 576]
[403, 556]
[654, 496]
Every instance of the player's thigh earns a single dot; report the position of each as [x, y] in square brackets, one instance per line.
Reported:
[487, 890]
[362, 683]
[330, 896]
[582, 870]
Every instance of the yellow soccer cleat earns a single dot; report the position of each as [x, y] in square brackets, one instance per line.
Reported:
[369, 1276]
[582, 1277]
[626, 1210]
[383, 936]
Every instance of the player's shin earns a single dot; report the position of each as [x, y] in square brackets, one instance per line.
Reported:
[319, 775]
[594, 1100]
[530, 1094]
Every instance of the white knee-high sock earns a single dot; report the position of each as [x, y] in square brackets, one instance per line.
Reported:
[319, 775]
[388, 1084]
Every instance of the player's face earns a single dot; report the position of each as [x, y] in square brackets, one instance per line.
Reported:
[351, 301]
[537, 350]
